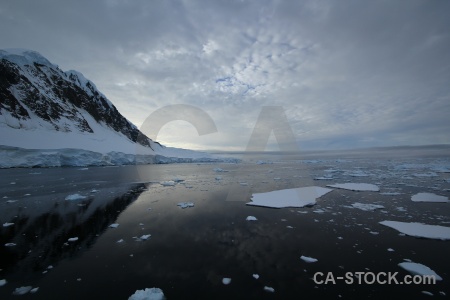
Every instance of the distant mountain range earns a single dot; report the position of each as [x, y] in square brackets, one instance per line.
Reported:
[43, 107]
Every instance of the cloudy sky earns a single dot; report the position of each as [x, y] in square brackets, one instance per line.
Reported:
[346, 73]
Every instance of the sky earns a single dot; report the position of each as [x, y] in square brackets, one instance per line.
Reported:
[337, 74]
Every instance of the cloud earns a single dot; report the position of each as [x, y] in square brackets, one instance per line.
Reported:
[348, 74]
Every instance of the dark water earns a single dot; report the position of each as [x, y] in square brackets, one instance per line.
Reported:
[192, 249]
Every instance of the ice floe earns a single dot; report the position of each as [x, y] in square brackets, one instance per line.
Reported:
[420, 230]
[251, 218]
[167, 183]
[297, 197]
[115, 225]
[256, 276]
[74, 239]
[308, 259]
[2, 282]
[429, 197]
[366, 207]
[10, 245]
[269, 289]
[148, 294]
[22, 290]
[226, 281]
[7, 224]
[74, 197]
[418, 269]
[359, 187]
[185, 204]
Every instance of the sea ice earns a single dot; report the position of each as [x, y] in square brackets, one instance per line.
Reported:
[10, 245]
[367, 207]
[145, 237]
[167, 183]
[22, 290]
[148, 294]
[251, 218]
[115, 225]
[308, 259]
[185, 204]
[226, 280]
[418, 269]
[323, 178]
[420, 230]
[429, 197]
[256, 276]
[7, 224]
[2, 282]
[297, 197]
[359, 187]
[34, 290]
[269, 289]
[74, 239]
[74, 197]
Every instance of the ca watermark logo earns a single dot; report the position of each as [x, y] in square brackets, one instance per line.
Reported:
[271, 120]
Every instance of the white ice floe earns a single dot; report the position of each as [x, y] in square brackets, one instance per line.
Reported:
[10, 245]
[7, 224]
[2, 282]
[34, 290]
[251, 218]
[148, 294]
[420, 230]
[115, 225]
[269, 289]
[297, 197]
[366, 207]
[256, 276]
[167, 183]
[390, 193]
[22, 290]
[359, 187]
[185, 204]
[142, 238]
[418, 269]
[429, 197]
[226, 281]
[390, 250]
[74, 239]
[120, 241]
[308, 259]
[74, 197]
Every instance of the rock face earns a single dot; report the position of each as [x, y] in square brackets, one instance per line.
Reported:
[36, 94]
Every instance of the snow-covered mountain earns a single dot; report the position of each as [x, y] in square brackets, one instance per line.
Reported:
[43, 107]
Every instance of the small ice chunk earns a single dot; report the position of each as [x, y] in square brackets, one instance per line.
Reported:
[269, 289]
[243, 183]
[226, 280]
[359, 187]
[390, 250]
[218, 177]
[256, 276]
[22, 290]
[115, 225]
[367, 207]
[308, 259]
[177, 179]
[34, 290]
[418, 269]
[11, 201]
[10, 245]
[8, 224]
[94, 191]
[251, 218]
[219, 170]
[185, 204]
[323, 178]
[429, 197]
[145, 237]
[2, 282]
[148, 294]
[167, 183]
[420, 230]
[427, 293]
[74, 239]
[120, 241]
[74, 197]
